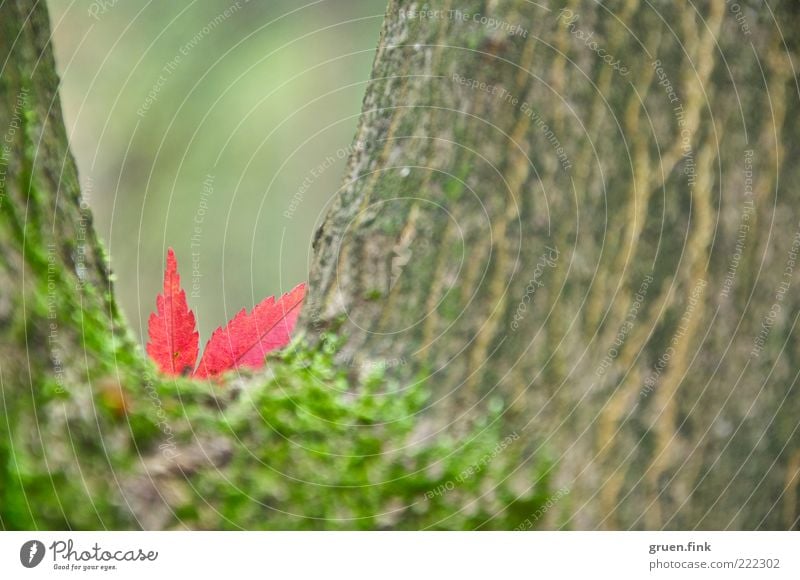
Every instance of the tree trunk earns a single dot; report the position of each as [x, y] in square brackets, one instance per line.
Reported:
[61, 338]
[527, 218]
[584, 214]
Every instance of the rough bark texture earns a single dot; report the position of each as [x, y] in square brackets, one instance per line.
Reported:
[451, 215]
[578, 241]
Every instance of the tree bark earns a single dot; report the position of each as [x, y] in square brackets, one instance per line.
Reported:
[61, 337]
[584, 211]
[554, 215]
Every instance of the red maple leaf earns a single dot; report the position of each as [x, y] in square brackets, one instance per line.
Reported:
[173, 339]
[244, 342]
[247, 338]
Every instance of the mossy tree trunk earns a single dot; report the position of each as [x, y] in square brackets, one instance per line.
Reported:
[60, 332]
[553, 212]
[586, 211]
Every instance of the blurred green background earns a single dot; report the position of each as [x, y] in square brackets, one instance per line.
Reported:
[197, 125]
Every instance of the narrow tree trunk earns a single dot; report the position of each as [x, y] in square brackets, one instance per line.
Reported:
[585, 214]
[60, 331]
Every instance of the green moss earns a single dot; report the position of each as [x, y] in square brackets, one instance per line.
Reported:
[374, 295]
[453, 188]
[309, 456]
[309, 450]
[450, 307]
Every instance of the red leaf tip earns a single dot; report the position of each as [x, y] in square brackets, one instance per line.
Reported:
[173, 340]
